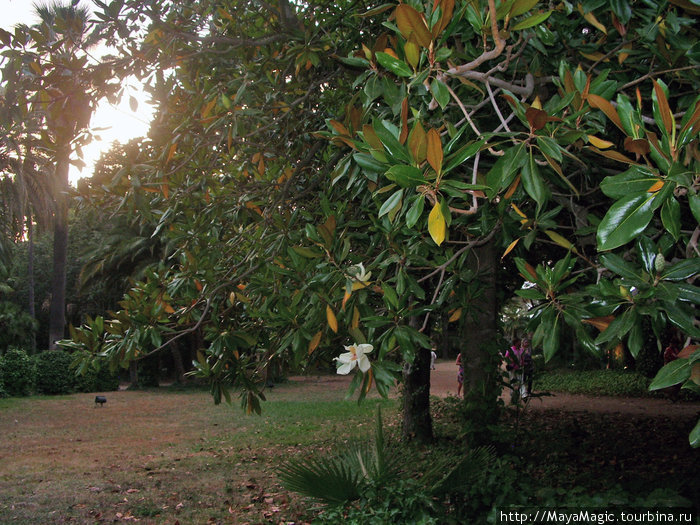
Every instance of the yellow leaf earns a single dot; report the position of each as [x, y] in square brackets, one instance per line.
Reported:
[656, 186]
[599, 143]
[355, 318]
[315, 340]
[412, 51]
[36, 67]
[434, 150]
[614, 155]
[517, 210]
[232, 297]
[455, 315]
[332, 321]
[169, 309]
[207, 109]
[595, 57]
[369, 380]
[561, 241]
[346, 296]
[601, 323]
[171, 153]
[391, 52]
[591, 19]
[513, 187]
[436, 224]
[510, 248]
[537, 103]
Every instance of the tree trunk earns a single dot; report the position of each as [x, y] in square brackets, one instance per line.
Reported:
[57, 312]
[177, 362]
[30, 274]
[480, 355]
[417, 421]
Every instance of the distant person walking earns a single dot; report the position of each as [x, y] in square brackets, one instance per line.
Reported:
[433, 357]
[460, 374]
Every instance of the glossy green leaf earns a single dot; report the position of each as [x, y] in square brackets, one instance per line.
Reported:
[682, 270]
[440, 92]
[694, 201]
[694, 437]
[689, 293]
[415, 211]
[635, 339]
[622, 268]
[550, 343]
[671, 217]
[671, 374]
[391, 203]
[680, 317]
[534, 184]
[396, 66]
[531, 21]
[520, 7]
[462, 154]
[622, 10]
[625, 219]
[369, 163]
[405, 176]
[390, 297]
[618, 328]
[549, 147]
[636, 180]
[391, 141]
[505, 168]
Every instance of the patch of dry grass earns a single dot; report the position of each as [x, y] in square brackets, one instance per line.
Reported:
[164, 457]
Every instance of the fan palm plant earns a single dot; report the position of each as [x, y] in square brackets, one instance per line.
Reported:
[343, 478]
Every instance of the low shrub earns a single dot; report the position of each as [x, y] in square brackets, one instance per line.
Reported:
[53, 372]
[18, 371]
[593, 382]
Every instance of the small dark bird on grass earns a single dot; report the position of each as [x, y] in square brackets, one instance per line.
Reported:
[101, 400]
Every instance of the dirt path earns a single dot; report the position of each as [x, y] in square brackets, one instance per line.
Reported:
[443, 382]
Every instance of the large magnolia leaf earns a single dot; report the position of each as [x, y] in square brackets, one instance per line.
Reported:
[396, 66]
[405, 176]
[625, 219]
[671, 374]
[636, 180]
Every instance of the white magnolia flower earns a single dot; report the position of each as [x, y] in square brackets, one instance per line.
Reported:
[355, 355]
[360, 276]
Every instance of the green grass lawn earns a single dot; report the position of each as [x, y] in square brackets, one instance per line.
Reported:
[161, 456]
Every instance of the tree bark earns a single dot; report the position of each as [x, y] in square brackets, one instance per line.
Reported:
[30, 274]
[480, 355]
[57, 311]
[417, 421]
[177, 362]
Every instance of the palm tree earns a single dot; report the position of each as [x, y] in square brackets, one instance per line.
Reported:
[67, 102]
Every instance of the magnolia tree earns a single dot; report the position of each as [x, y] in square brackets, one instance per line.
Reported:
[564, 137]
[470, 151]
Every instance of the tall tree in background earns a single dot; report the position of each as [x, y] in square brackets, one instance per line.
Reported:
[51, 80]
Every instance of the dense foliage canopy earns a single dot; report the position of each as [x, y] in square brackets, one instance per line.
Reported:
[327, 173]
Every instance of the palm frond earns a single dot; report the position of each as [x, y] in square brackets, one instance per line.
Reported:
[451, 475]
[330, 481]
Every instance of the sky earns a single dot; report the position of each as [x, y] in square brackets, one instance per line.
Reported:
[120, 122]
